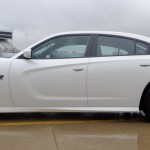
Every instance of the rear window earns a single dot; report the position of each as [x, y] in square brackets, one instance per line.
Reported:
[141, 48]
[114, 46]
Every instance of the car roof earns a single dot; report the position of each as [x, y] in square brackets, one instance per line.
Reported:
[123, 34]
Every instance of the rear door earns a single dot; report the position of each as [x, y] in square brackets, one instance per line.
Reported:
[55, 76]
[116, 77]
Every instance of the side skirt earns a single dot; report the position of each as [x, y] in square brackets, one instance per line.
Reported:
[68, 109]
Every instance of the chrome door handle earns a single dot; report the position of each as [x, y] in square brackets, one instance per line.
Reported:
[78, 69]
[145, 65]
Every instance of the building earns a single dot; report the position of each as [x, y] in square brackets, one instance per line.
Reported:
[6, 47]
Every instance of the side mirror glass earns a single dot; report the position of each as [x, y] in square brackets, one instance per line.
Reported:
[27, 54]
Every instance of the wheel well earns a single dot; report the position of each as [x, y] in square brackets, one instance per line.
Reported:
[141, 106]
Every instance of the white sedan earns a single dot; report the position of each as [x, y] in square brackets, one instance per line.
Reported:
[79, 71]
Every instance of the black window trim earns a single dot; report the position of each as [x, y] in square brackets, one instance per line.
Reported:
[95, 44]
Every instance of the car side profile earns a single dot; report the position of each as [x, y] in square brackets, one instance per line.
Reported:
[86, 71]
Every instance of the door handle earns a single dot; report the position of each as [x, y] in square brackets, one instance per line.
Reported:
[78, 69]
[145, 65]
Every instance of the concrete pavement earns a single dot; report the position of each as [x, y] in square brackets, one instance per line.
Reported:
[74, 131]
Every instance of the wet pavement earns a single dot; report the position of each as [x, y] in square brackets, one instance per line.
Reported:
[74, 131]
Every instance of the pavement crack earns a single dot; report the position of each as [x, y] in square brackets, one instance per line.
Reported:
[54, 137]
[49, 117]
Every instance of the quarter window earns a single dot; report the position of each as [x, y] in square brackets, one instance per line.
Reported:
[141, 48]
[62, 47]
[114, 46]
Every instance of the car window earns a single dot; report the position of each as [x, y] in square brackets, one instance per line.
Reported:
[70, 51]
[62, 47]
[141, 48]
[114, 46]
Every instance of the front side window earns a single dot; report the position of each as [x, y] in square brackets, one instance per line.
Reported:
[114, 46]
[62, 47]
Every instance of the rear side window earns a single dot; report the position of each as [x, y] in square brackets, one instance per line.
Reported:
[141, 48]
[114, 46]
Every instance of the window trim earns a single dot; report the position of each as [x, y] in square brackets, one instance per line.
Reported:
[95, 44]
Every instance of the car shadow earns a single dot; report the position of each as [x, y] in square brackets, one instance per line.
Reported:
[21, 117]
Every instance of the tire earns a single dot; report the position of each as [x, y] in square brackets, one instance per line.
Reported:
[146, 108]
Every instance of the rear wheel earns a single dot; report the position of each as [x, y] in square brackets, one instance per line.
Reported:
[146, 107]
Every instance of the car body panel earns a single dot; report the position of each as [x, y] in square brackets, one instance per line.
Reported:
[49, 83]
[6, 100]
[68, 109]
[117, 81]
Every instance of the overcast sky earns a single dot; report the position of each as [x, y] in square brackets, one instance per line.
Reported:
[41, 18]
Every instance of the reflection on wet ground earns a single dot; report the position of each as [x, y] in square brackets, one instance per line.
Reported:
[74, 131]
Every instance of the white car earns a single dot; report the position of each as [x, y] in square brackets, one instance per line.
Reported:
[79, 72]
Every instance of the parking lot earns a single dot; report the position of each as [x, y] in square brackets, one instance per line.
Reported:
[74, 131]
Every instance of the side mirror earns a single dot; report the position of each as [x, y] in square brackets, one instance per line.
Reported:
[27, 54]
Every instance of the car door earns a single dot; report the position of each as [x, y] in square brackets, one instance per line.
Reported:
[55, 76]
[116, 77]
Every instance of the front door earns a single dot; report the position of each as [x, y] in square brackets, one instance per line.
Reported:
[55, 76]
